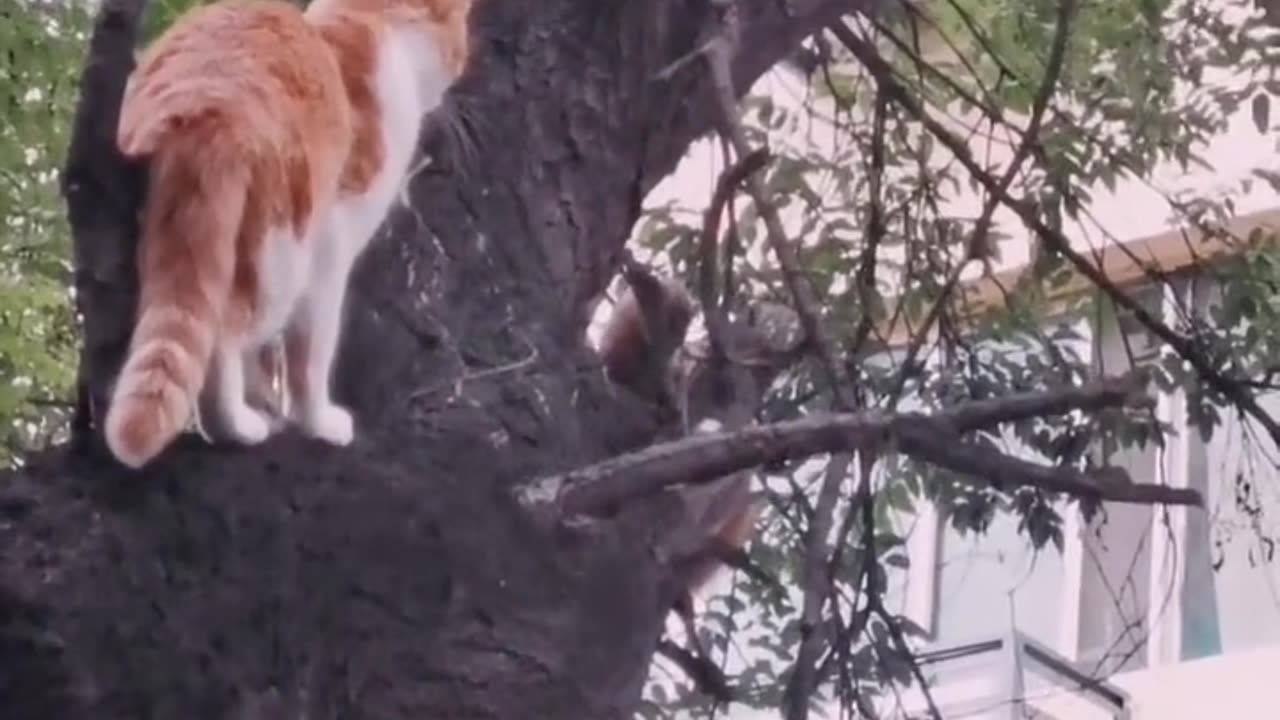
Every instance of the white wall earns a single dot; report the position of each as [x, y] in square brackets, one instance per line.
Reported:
[1240, 686]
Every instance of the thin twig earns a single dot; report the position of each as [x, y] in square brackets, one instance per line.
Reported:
[726, 185]
[866, 276]
[807, 673]
[979, 242]
[921, 333]
[900, 644]
[986, 105]
[1031, 136]
[705, 675]
[875, 593]
[815, 584]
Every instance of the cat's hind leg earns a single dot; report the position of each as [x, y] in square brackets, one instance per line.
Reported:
[311, 344]
[224, 412]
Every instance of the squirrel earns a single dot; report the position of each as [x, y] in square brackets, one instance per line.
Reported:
[728, 523]
[723, 514]
[643, 332]
[726, 511]
[645, 329]
[637, 348]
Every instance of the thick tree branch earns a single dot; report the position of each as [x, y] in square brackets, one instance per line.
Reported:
[102, 191]
[381, 576]
[932, 438]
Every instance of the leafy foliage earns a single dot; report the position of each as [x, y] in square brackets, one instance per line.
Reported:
[41, 46]
[1144, 86]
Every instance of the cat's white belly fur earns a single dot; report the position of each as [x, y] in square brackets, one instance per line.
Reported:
[308, 279]
[285, 265]
[409, 82]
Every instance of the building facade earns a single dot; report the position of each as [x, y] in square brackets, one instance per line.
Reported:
[1177, 608]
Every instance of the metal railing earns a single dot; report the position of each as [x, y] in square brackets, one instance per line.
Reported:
[1015, 655]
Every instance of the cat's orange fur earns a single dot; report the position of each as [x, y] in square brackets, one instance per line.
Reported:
[277, 141]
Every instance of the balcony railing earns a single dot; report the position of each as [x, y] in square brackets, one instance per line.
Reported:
[1008, 667]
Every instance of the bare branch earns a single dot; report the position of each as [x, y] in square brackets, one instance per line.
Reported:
[866, 274]
[705, 675]
[726, 185]
[1125, 390]
[932, 438]
[718, 52]
[937, 447]
[816, 584]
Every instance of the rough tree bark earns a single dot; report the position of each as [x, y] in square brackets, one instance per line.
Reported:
[400, 577]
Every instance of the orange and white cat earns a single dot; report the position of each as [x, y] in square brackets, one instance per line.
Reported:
[278, 139]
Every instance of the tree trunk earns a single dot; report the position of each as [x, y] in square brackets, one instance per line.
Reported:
[403, 576]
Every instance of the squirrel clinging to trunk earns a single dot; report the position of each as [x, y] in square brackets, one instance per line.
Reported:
[645, 329]
[638, 346]
[641, 336]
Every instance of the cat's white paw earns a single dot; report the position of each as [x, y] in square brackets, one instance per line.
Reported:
[331, 424]
[248, 426]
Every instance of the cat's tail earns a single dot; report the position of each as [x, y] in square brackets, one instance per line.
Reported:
[195, 206]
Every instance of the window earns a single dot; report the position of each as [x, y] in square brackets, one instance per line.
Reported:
[1230, 596]
[1140, 586]
[1163, 585]
[977, 586]
[991, 583]
[1115, 551]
